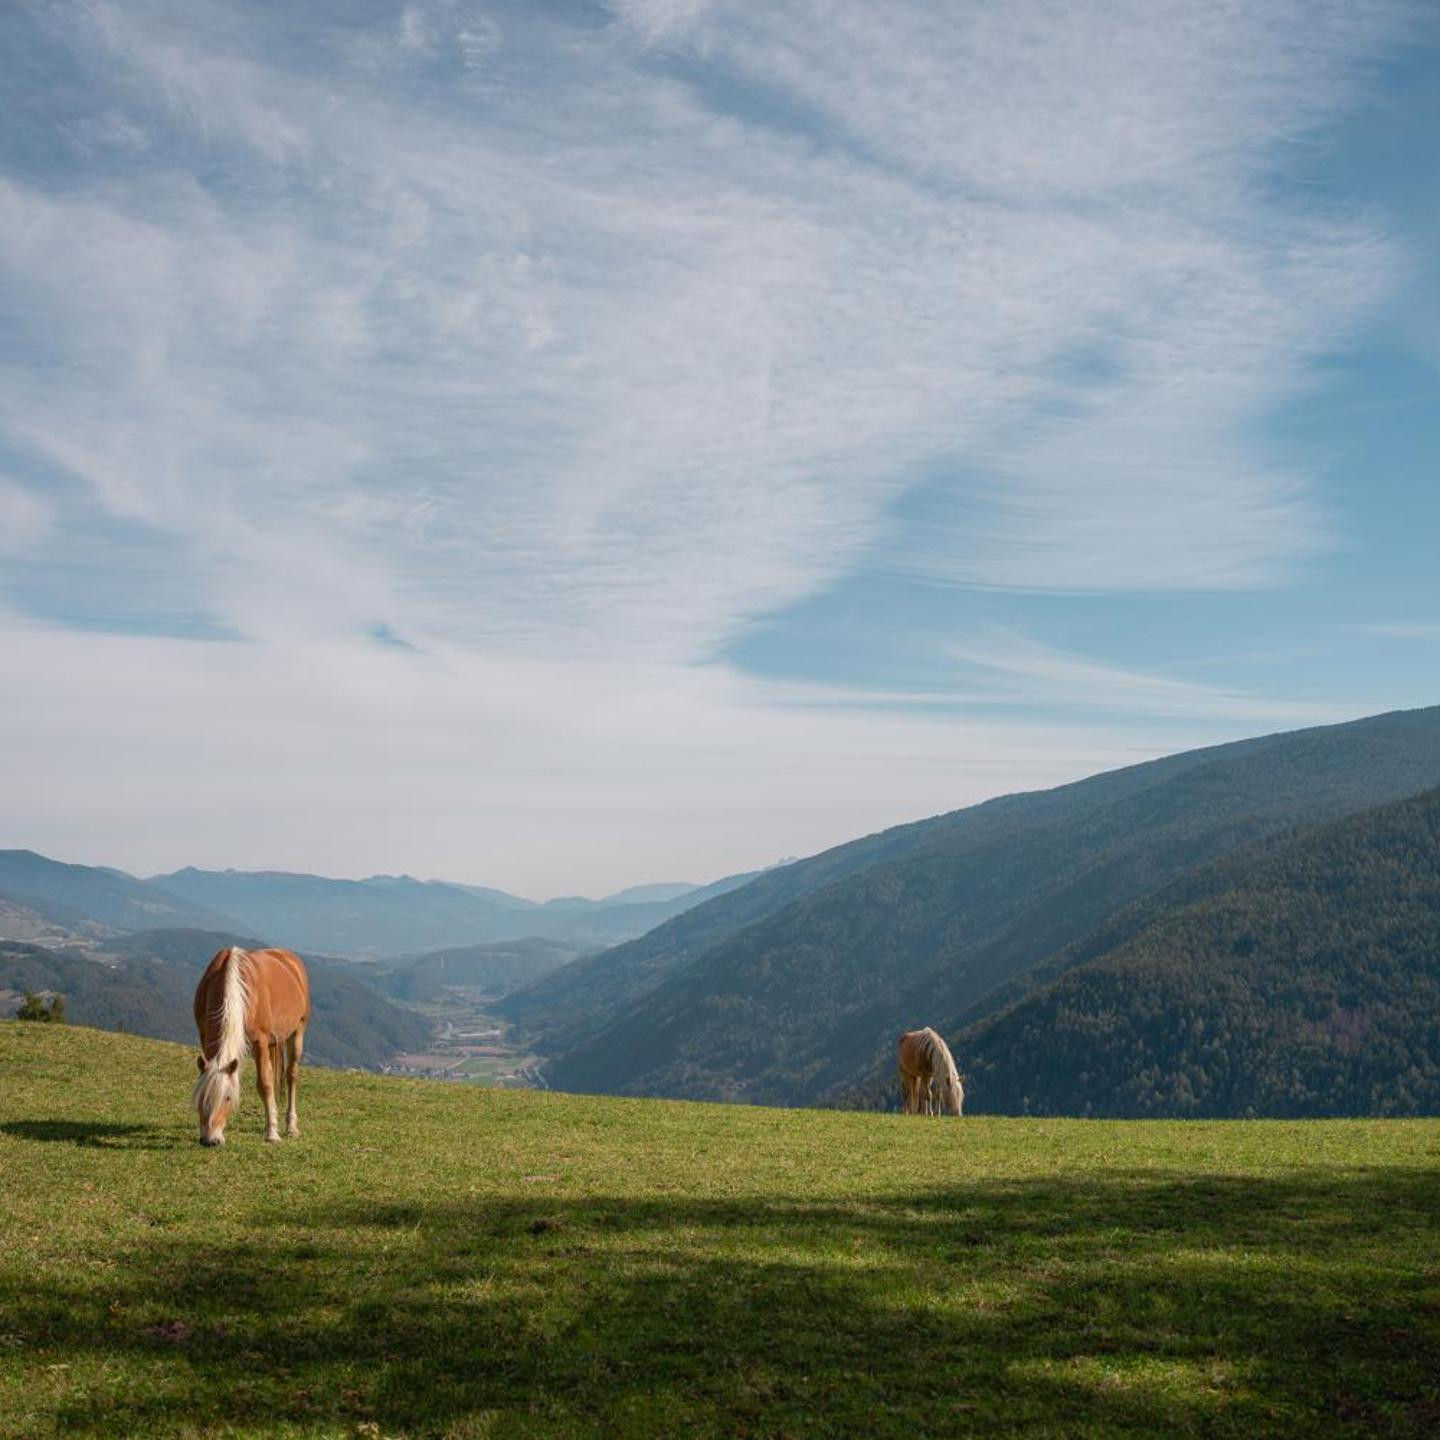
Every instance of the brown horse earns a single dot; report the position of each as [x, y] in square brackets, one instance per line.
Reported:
[926, 1062]
[245, 999]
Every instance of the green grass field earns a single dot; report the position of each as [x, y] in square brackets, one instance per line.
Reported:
[443, 1260]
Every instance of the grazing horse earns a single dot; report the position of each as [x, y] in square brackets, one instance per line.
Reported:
[245, 999]
[925, 1061]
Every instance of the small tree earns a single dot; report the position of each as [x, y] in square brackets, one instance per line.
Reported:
[33, 1007]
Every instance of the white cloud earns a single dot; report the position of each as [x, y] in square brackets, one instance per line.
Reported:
[1038, 675]
[24, 517]
[658, 20]
[567, 354]
[1049, 99]
[604, 326]
[532, 775]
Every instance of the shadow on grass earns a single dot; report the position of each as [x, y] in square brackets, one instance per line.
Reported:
[97, 1134]
[1140, 1304]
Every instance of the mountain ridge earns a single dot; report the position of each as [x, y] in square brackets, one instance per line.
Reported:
[97, 893]
[397, 914]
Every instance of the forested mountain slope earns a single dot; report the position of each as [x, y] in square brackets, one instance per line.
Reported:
[799, 1006]
[566, 1009]
[1298, 978]
[77, 894]
[142, 998]
[40, 922]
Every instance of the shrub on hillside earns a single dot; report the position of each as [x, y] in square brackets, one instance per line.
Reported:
[33, 1007]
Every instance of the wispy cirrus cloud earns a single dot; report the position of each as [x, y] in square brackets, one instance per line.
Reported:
[586, 339]
[1399, 629]
[600, 310]
[1023, 672]
[25, 517]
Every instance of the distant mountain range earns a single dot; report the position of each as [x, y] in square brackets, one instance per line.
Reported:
[91, 896]
[792, 988]
[387, 914]
[47, 900]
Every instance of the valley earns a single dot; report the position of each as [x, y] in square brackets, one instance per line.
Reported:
[469, 1044]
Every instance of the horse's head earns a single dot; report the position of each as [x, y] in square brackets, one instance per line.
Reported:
[217, 1093]
[952, 1096]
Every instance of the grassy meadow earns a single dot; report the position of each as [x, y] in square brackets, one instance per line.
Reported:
[442, 1260]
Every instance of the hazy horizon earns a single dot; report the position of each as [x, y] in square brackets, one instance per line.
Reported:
[543, 899]
[554, 893]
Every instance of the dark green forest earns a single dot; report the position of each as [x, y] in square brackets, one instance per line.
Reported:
[143, 998]
[1299, 978]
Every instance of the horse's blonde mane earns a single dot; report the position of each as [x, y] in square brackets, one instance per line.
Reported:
[215, 1081]
[935, 1061]
[937, 1052]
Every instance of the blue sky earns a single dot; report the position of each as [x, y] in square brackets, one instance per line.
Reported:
[562, 445]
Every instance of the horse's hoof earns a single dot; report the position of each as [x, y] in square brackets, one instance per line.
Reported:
[291, 1131]
[272, 1137]
[212, 1140]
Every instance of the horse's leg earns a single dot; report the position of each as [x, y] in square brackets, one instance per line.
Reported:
[265, 1083]
[277, 1069]
[292, 1077]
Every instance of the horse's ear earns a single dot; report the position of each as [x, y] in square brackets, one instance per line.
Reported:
[233, 1066]
[200, 1063]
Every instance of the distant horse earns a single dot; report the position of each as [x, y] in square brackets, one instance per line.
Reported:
[248, 999]
[926, 1062]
